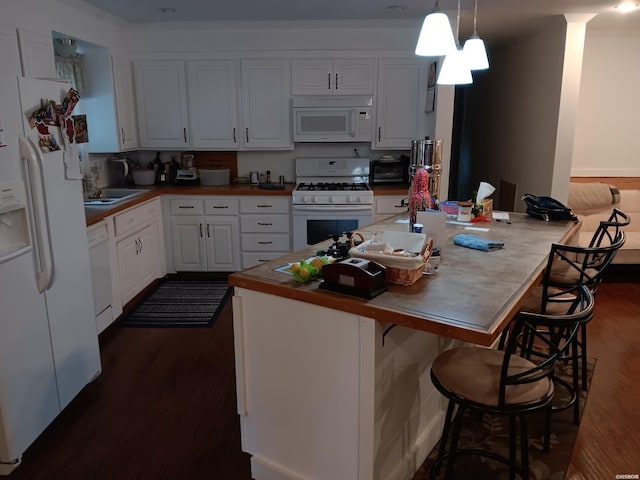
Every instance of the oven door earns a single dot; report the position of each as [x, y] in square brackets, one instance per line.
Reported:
[311, 225]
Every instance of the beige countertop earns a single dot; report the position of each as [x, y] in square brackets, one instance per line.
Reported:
[471, 298]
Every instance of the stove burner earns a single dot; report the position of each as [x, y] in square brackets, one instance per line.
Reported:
[328, 187]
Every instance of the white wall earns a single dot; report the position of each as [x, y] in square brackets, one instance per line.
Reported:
[89, 24]
[607, 142]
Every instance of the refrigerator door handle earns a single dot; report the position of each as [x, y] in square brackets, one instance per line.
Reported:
[39, 221]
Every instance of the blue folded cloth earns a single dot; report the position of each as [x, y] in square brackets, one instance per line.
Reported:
[473, 241]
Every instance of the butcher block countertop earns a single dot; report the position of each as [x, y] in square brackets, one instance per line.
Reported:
[471, 298]
[94, 215]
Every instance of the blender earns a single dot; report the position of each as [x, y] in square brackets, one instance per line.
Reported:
[188, 173]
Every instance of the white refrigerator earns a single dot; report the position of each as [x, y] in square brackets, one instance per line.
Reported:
[48, 340]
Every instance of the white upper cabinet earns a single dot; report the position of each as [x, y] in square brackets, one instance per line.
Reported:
[266, 104]
[36, 51]
[213, 104]
[125, 103]
[9, 51]
[207, 115]
[352, 76]
[400, 103]
[161, 96]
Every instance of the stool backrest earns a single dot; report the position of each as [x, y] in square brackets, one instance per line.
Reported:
[569, 266]
[553, 333]
[609, 230]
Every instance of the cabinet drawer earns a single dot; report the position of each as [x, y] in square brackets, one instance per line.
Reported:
[391, 204]
[251, 259]
[265, 243]
[221, 206]
[273, 204]
[136, 216]
[265, 223]
[186, 206]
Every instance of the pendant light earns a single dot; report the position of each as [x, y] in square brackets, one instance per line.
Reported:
[474, 48]
[455, 70]
[436, 37]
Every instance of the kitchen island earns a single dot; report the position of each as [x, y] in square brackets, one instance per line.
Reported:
[332, 386]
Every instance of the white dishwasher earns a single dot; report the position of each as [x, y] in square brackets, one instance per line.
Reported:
[100, 274]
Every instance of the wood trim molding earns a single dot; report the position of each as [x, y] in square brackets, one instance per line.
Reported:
[623, 183]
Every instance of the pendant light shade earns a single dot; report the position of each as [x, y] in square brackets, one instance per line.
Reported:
[476, 53]
[455, 70]
[436, 37]
[474, 48]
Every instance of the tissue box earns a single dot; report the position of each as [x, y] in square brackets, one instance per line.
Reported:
[485, 208]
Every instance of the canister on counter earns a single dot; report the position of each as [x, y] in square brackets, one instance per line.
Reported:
[253, 177]
[464, 211]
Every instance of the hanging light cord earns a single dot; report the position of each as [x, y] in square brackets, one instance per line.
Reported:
[475, 16]
[458, 26]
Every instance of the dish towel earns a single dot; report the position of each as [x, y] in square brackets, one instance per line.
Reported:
[473, 241]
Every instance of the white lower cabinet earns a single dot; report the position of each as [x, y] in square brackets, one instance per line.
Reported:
[265, 227]
[139, 248]
[389, 205]
[137, 259]
[204, 234]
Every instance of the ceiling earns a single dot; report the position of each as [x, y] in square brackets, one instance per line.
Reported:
[497, 19]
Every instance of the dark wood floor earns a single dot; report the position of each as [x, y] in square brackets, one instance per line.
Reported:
[164, 405]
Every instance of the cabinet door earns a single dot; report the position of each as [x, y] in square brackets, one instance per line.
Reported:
[312, 76]
[161, 97]
[9, 51]
[36, 51]
[128, 250]
[400, 111]
[148, 257]
[266, 109]
[222, 239]
[346, 76]
[187, 238]
[125, 103]
[354, 76]
[213, 104]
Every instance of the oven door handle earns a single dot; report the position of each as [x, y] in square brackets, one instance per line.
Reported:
[330, 208]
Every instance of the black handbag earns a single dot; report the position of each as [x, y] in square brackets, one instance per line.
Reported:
[547, 208]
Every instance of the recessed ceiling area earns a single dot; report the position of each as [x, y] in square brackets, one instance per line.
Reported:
[497, 19]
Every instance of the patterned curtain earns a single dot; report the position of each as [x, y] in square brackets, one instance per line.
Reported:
[72, 68]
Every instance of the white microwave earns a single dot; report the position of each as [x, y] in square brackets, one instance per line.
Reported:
[333, 119]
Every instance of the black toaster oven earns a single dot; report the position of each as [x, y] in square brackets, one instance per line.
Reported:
[390, 170]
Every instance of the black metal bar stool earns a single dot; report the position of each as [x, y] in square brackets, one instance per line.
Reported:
[488, 380]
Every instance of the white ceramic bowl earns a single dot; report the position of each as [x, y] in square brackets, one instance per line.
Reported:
[214, 176]
[143, 176]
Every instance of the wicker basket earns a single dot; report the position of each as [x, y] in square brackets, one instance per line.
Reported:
[403, 270]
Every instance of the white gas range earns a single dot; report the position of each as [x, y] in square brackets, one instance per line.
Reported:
[332, 196]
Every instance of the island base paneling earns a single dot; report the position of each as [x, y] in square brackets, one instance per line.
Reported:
[326, 394]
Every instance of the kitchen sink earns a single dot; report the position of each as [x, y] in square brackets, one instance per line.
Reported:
[111, 196]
